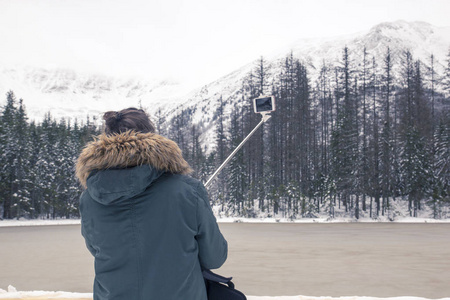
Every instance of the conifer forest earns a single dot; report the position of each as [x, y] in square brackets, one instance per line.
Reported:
[354, 139]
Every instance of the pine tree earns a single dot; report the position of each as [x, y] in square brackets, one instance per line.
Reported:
[236, 171]
[415, 136]
[66, 192]
[198, 159]
[416, 169]
[344, 137]
[446, 79]
[439, 192]
[9, 156]
[34, 174]
[365, 130]
[22, 182]
[261, 77]
[221, 147]
[374, 143]
[221, 139]
[254, 85]
[326, 116]
[386, 134]
[47, 168]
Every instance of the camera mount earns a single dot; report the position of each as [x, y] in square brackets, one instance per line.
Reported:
[265, 116]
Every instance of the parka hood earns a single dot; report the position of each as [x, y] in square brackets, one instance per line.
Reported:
[113, 185]
[107, 165]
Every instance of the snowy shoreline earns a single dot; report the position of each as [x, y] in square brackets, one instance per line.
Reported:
[12, 293]
[39, 222]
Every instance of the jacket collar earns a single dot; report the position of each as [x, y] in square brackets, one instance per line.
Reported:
[130, 149]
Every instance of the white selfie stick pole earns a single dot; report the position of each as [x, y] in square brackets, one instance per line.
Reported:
[265, 116]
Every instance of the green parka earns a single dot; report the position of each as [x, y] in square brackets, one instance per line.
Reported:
[148, 225]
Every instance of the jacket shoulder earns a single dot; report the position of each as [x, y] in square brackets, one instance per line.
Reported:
[191, 187]
[185, 182]
[195, 183]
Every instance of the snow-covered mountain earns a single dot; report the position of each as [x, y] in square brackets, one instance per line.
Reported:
[420, 38]
[69, 94]
[66, 93]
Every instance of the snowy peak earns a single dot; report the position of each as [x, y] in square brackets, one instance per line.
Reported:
[421, 38]
[387, 29]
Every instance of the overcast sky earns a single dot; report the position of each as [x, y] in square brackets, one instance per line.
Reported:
[187, 40]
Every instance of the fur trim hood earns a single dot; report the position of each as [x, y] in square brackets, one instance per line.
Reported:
[130, 149]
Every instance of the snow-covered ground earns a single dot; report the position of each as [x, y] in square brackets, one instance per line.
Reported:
[326, 220]
[38, 222]
[12, 293]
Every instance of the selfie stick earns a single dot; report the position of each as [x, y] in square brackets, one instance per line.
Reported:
[265, 116]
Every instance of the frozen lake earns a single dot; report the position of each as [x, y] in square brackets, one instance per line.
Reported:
[364, 259]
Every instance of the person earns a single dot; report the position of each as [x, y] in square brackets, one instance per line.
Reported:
[149, 226]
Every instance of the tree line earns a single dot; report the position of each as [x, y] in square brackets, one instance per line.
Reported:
[360, 138]
[355, 139]
[37, 163]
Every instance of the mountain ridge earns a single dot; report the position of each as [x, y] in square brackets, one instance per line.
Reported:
[421, 38]
[66, 93]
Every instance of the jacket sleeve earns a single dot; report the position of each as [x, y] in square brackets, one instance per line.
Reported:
[213, 248]
[88, 244]
[84, 227]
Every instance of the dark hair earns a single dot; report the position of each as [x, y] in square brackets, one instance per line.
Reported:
[126, 120]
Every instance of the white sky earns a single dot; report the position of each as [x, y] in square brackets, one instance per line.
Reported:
[193, 41]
